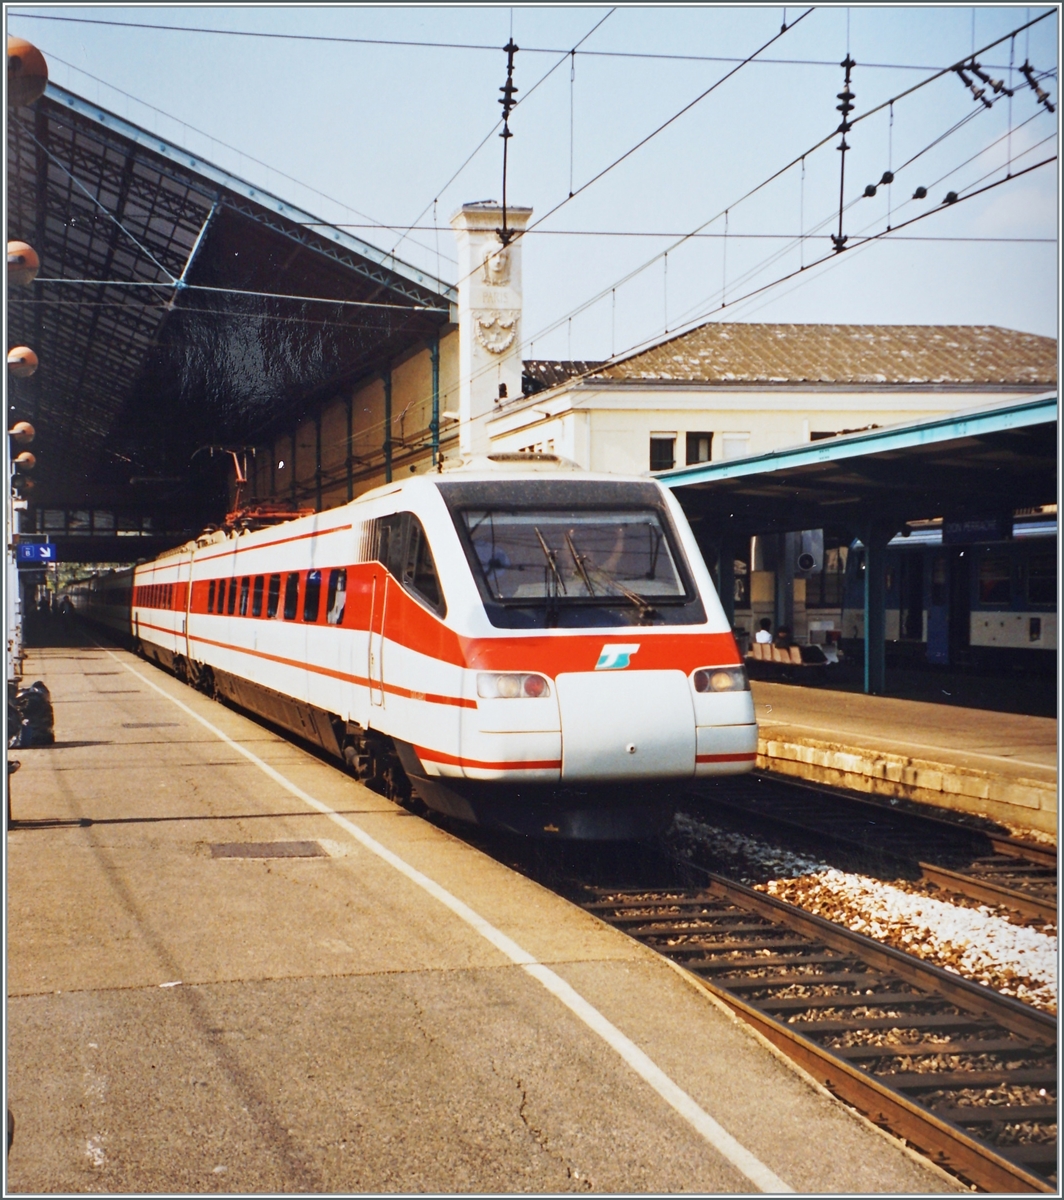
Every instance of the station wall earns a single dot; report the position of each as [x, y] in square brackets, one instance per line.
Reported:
[339, 451]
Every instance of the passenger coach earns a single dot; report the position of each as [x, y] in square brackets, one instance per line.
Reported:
[525, 646]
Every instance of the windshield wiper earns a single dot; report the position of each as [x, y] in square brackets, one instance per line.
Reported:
[645, 610]
[580, 563]
[552, 562]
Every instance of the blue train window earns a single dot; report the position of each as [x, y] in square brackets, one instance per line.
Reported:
[256, 597]
[1042, 578]
[273, 596]
[336, 598]
[291, 596]
[312, 596]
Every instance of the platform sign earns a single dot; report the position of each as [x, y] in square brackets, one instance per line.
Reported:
[33, 553]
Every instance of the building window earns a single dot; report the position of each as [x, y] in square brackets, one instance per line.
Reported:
[735, 445]
[662, 452]
[699, 448]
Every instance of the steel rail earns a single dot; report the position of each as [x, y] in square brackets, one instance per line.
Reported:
[970, 883]
[937, 1133]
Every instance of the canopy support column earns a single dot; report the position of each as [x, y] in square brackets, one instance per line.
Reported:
[387, 377]
[726, 577]
[875, 539]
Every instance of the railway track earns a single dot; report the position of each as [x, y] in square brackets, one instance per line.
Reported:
[1018, 876]
[966, 1075]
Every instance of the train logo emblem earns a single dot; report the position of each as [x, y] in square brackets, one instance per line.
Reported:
[615, 658]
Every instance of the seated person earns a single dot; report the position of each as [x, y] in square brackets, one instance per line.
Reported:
[783, 638]
[764, 632]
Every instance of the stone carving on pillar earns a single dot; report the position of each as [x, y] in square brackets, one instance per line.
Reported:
[496, 331]
[489, 318]
[496, 270]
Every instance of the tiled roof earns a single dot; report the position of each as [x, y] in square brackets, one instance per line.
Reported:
[756, 353]
[538, 374]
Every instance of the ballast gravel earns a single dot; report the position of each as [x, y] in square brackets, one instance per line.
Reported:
[973, 942]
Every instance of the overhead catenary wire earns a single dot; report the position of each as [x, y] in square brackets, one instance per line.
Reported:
[200, 287]
[480, 46]
[831, 258]
[632, 274]
[860, 242]
[487, 137]
[606, 233]
[665, 124]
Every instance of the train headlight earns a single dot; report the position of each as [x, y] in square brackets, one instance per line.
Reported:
[508, 686]
[721, 679]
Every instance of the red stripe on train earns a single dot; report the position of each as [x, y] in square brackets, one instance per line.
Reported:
[438, 756]
[361, 680]
[712, 758]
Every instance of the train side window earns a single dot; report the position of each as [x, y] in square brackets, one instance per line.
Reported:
[995, 579]
[312, 596]
[256, 597]
[210, 595]
[273, 595]
[419, 570]
[291, 596]
[245, 587]
[1042, 578]
[230, 607]
[221, 596]
[390, 542]
[938, 581]
[336, 598]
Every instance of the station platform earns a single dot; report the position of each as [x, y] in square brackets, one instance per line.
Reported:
[389, 1010]
[1001, 765]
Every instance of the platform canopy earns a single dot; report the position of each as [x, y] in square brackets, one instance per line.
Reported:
[980, 465]
[177, 306]
[984, 461]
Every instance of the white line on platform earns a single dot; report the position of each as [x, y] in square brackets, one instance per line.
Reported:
[718, 1137]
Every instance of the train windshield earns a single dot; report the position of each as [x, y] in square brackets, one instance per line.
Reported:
[560, 557]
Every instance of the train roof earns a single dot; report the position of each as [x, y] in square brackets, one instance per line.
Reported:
[470, 469]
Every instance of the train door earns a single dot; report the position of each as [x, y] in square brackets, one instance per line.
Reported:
[378, 612]
[184, 574]
[960, 606]
[938, 609]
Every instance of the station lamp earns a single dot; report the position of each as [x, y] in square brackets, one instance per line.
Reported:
[22, 264]
[22, 362]
[27, 72]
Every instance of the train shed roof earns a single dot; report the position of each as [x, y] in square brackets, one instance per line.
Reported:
[178, 304]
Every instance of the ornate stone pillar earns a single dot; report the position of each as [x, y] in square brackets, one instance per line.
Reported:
[489, 317]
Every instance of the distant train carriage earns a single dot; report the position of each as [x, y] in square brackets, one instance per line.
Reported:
[988, 604]
[526, 646]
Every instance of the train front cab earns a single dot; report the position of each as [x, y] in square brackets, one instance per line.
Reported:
[601, 671]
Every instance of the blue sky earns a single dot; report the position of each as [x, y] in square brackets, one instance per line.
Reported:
[371, 131]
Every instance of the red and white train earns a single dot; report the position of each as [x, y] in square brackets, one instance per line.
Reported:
[525, 646]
